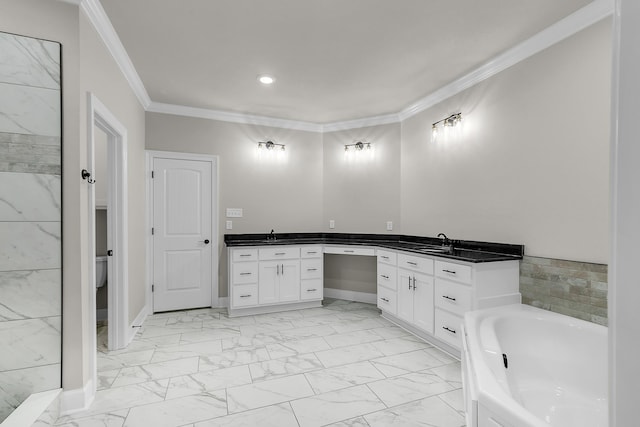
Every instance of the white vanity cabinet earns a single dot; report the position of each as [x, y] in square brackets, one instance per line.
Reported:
[387, 281]
[431, 294]
[311, 273]
[461, 287]
[415, 291]
[274, 278]
[278, 275]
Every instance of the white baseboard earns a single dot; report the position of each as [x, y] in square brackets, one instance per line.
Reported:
[102, 314]
[138, 321]
[223, 302]
[77, 400]
[351, 295]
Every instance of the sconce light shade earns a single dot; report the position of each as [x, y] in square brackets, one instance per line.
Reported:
[358, 146]
[270, 145]
[451, 121]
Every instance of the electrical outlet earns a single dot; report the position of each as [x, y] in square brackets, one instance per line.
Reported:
[234, 212]
[332, 224]
[389, 225]
[229, 225]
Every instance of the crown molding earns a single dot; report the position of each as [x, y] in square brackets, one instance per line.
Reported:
[102, 24]
[361, 123]
[577, 21]
[227, 116]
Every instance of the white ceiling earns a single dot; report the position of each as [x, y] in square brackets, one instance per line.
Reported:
[334, 60]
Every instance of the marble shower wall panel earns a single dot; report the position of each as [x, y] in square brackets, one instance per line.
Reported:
[29, 246]
[29, 110]
[29, 197]
[29, 62]
[32, 342]
[30, 219]
[30, 294]
[18, 384]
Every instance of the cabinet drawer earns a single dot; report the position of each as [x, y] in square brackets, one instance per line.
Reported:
[311, 289]
[453, 271]
[387, 300]
[245, 255]
[311, 252]
[278, 253]
[387, 276]
[422, 265]
[453, 297]
[311, 268]
[245, 295]
[448, 328]
[245, 272]
[386, 257]
[349, 250]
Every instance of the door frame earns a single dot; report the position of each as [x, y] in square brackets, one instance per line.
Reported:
[150, 156]
[117, 201]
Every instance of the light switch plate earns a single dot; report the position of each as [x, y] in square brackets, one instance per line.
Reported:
[229, 225]
[389, 225]
[332, 223]
[234, 212]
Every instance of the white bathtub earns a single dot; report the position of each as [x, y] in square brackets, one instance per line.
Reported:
[556, 374]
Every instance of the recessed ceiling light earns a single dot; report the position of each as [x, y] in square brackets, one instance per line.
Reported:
[266, 79]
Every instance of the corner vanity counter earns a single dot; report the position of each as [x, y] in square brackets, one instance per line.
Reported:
[424, 284]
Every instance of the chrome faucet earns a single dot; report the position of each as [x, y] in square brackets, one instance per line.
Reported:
[446, 241]
[271, 235]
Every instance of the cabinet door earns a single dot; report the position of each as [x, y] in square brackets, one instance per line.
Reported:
[268, 282]
[289, 281]
[405, 295]
[423, 302]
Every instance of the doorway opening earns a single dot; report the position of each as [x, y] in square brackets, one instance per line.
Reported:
[109, 199]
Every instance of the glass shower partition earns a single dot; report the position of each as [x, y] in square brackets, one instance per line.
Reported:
[30, 219]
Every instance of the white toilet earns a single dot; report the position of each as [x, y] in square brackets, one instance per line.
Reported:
[101, 271]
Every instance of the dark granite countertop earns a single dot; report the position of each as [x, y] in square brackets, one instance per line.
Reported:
[463, 250]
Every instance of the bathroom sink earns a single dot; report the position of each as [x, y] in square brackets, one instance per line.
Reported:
[435, 249]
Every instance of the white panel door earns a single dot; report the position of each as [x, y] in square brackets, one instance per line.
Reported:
[268, 274]
[405, 295]
[289, 281]
[182, 238]
[423, 302]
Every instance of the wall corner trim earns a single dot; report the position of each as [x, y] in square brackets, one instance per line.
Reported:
[78, 399]
[107, 33]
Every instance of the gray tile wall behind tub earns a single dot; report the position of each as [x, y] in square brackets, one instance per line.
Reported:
[577, 289]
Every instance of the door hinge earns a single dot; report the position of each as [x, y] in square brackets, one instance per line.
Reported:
[153, 230]
[152, 175]
[153, 288]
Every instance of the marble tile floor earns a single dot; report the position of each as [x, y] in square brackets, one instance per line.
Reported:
[339, 365]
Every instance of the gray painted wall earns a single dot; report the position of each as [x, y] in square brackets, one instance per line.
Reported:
[530, 167]
[284, 194]
[532, 164]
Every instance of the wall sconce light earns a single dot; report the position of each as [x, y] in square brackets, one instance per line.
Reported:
[451, 121]
[358, 146]
[270, 145]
